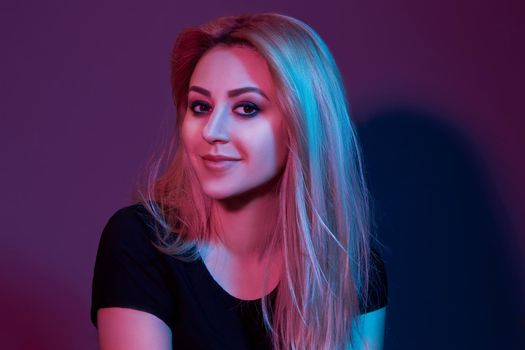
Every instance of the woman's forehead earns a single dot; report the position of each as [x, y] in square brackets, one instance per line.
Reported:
[231, 67]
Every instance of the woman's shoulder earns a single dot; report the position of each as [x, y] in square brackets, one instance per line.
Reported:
[130, 272]
[131, 226]
[135, 213]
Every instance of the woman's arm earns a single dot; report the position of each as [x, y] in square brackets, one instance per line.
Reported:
[129, 329]
[370, 331]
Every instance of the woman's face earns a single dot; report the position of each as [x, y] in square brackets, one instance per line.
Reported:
[233, 130]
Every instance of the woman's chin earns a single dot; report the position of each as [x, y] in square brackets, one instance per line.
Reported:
[219, 193]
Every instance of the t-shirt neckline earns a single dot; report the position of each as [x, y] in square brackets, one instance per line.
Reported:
[224, 292]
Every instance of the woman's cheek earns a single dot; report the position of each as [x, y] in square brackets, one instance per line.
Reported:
[189, 133]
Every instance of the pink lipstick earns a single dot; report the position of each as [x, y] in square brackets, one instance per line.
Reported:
[219, 162]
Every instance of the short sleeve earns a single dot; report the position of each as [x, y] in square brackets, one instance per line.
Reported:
[377, 296]
[129, 271]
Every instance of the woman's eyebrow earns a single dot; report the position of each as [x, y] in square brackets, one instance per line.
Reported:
[231, 93]
[243, 90]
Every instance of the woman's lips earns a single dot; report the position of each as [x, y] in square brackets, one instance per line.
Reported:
[219, 162]
[217, 157]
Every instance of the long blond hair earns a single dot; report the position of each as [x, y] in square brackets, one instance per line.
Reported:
[323, 222]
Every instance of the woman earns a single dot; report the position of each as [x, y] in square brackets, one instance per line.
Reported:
[257, 234]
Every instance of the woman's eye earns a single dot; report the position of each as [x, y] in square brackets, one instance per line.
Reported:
[199, 107]
[247, 109]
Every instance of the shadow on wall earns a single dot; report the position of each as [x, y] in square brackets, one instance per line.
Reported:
[451, 284]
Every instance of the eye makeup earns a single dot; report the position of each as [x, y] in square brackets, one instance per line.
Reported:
[244, 109]
[200, 105]
[252, 107]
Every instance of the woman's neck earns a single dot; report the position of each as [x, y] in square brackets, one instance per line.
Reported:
[242, 225]
[235, 256]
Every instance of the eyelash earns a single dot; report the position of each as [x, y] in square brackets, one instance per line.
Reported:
[250, 105]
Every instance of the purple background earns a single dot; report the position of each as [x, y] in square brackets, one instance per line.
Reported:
[85, 94]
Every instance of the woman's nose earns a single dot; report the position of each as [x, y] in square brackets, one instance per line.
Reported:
[216, 129]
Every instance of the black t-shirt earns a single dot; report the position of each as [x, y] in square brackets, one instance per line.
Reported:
[131, 273]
